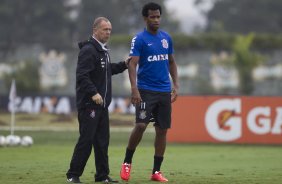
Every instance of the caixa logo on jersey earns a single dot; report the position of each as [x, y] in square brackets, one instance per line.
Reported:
[224, 120]
[160, 57]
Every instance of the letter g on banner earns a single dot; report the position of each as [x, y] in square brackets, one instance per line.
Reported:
[220, 121]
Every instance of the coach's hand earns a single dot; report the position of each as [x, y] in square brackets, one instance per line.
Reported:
[97, 99]
[127, 61]
[135, 96]
[174, 94]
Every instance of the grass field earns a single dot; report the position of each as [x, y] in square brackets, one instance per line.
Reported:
[48, 159]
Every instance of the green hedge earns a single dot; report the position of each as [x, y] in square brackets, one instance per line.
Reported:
[210, 41]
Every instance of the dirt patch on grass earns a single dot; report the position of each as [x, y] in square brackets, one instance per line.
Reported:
[2, 122]
[62, 119]
[117, 122]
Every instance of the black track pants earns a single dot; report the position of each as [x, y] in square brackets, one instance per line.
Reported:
[94, 131]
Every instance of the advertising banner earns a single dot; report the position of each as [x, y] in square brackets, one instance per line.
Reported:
[55, 104]
[227, 119]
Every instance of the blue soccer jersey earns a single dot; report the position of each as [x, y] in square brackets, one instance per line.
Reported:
[153, 66]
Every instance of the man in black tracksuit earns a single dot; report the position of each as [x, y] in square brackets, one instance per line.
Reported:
[93, 96]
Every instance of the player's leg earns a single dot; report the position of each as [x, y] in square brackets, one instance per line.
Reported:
[136, 135]
[162, 114]
[160, 142]
[134, 140]
[160, 146]
[143, 115]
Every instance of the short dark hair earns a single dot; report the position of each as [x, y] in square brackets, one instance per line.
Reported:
[150, 6]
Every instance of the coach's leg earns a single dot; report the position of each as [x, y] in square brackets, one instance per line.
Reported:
[82, 151]
[101, 144]
[160, 146]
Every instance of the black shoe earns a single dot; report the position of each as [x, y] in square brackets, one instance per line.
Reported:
[73, 180]
[106, 180]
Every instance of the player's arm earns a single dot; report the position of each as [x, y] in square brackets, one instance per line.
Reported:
[135, 95]
[174, 77]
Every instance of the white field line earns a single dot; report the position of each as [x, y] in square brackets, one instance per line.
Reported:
[28, 128]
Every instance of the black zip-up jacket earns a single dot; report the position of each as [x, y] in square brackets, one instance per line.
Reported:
[94, 75]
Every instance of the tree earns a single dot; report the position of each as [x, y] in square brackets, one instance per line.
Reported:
[125, 16]
[50, 24]
[33, 21]
[26, 76]
[245, 61]
[245, 16]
